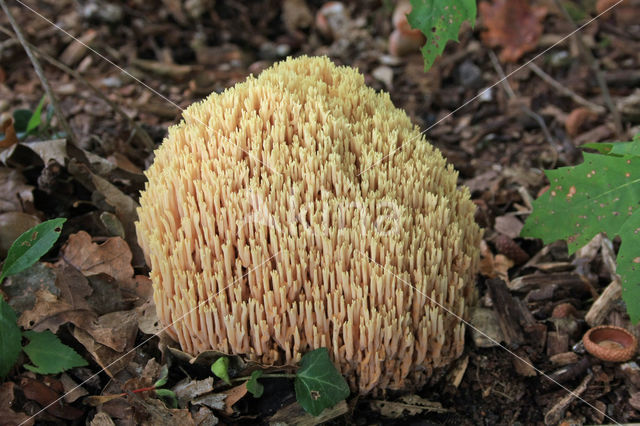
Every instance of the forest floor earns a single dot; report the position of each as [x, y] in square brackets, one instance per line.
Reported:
[499, 140]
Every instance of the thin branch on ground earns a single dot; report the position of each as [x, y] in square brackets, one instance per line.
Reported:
[504, 82]
[38, 68]
[594, 64]
[565, 90]
[137, 129]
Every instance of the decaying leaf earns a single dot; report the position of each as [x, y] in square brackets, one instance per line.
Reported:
[514, 25]
[14, 192]
[7, 415]
[113, 257]
[408, 405]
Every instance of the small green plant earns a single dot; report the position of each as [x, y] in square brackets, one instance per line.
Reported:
[48, 354]
[440, 21]
[600, 195]
[27, 122]
[318, 384]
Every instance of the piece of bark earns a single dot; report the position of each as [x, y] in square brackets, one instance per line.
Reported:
[603, 304]
[508, 311]
[557, 342]
[556, 413]
[567, 280]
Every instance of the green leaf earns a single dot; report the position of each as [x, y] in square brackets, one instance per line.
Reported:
[21, 119]
[49, 354]
[439, 21]
[34, 120]
[629, 266]
[164, 376]
[617, 148]
[31, 246]
[10, 338]
[221, 369]
[318, 384]
[169, 395]
[254, 386]
[600, 195]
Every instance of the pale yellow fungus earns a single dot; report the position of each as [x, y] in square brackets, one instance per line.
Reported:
[265, 240]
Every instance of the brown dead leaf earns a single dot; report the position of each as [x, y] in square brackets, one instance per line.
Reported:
[102, 419]
[111, 361]
[408, 405]
[514, 25]
[44, 395]
[577, 119]
[112, 257]
[71, 389]
[14, 192]
[153, 412]
[8, 416]
[9, 131]
[494, 266]
[188, 389]
[234, 395]
[116, 330]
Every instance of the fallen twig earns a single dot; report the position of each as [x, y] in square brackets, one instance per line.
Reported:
[564, 90]
[38, 68]
[137, 129]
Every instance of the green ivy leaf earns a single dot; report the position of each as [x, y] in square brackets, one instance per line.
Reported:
[31, 246]
[10, 338]
[221, 369]
[254, 386]
[440, 21]
[600, 195]
[49, 354]
[318, 384]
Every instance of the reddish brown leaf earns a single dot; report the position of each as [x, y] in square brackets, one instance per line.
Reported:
[514, 25]
[44, 395]
[9, 131]
[577, 119]
[7, 415]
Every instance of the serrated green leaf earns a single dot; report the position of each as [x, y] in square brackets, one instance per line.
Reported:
[600, 195]
[34, 120]
[439, 21]
[628, 268]
[49, 354]
[318, 384]
[10, 338]
[617, 148]
[29, 247]
[221, 369]
[254, 386]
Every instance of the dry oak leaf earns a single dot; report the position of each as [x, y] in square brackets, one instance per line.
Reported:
[514, 25]
[113, 257]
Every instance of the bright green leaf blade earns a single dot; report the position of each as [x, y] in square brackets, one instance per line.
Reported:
[439, 21]
[318, 384]
[21, 119]
[221, 369]
[599, 195]
[31, 246]
[629, 265]
[49, 354]
[10, 338]
[34, 120]
[616, 148]
[254, 386]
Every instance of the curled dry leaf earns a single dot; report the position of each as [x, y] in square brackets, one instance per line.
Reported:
[14, 192]
[514, 25]
[577, 120]
[113, 257]
[45, 396]
[9, 131]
